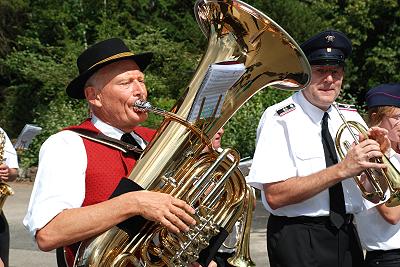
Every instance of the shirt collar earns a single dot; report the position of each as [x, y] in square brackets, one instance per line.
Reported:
[312, 111]
[106, 129]
[113, 132]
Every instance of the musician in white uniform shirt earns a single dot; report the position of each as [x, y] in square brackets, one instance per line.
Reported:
[379, 227]
[291, 167]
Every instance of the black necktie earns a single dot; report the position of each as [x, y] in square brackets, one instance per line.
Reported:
[128, 138]
[337, 210]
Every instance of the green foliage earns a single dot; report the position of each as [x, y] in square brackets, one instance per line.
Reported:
[172, 65]
[295, 17]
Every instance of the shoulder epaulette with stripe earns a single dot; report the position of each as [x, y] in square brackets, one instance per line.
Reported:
[346, 107]
[286, 109]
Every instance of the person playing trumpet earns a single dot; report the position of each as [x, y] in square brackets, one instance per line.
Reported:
[379, 227]
[308, 193]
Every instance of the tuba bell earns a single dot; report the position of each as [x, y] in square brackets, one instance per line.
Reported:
[5, 189]
[380, 179]
[174, 162]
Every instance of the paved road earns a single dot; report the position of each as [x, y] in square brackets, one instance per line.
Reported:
[23, 250]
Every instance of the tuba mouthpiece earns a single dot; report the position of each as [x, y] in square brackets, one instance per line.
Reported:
[142, 105]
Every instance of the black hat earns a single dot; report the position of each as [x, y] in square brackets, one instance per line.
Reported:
[327, 48]
[100, 55]
[384, 95]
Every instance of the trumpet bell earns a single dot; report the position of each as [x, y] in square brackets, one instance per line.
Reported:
[380, 180]
[393, 180]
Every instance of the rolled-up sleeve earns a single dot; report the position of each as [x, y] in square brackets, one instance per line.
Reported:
[60, 180]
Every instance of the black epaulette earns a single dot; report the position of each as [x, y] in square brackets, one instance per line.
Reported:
[346, 107]
[286, 109]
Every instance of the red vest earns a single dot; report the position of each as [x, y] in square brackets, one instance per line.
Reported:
[106, 166]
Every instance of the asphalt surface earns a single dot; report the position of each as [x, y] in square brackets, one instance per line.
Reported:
[23, 250]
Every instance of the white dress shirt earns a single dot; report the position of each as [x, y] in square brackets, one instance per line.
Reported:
[10, 157]
[60, 180]
[290, 145]
[374, 231]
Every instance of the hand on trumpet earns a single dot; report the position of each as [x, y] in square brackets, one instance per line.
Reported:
[361, 156]
[6, 173]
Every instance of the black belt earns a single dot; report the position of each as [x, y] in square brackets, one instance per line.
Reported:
[375, 253]
[307, 219]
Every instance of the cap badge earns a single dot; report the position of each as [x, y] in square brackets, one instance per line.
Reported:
[330, 38]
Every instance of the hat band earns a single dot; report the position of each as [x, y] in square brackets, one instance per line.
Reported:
[120, 55]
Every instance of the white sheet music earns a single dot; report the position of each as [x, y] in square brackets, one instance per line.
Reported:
[217, 81]
[26, 136]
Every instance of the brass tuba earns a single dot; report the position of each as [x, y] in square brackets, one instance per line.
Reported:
[379, 179]
[5, 189]
[174, 162]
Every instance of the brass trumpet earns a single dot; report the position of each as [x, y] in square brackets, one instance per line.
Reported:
[5, 189]
[380, 179]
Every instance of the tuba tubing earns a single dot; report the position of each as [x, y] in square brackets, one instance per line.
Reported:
[242, 258]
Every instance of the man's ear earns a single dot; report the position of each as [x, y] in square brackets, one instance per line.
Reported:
[92, 96]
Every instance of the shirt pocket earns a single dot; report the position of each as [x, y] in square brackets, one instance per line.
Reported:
[309, 156]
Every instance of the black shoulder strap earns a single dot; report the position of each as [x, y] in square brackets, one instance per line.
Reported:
[108, 141]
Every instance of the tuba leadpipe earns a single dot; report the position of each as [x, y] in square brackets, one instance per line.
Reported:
[380, 179]
[174, 162]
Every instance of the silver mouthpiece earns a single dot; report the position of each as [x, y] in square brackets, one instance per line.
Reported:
[142, 105]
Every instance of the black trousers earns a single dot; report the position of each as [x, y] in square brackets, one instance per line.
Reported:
[312, 242]
[383, 258]
[4, 239]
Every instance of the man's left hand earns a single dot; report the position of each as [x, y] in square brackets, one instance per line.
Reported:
[4, 172]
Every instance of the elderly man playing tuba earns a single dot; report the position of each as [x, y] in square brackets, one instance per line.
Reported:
[70, 200]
